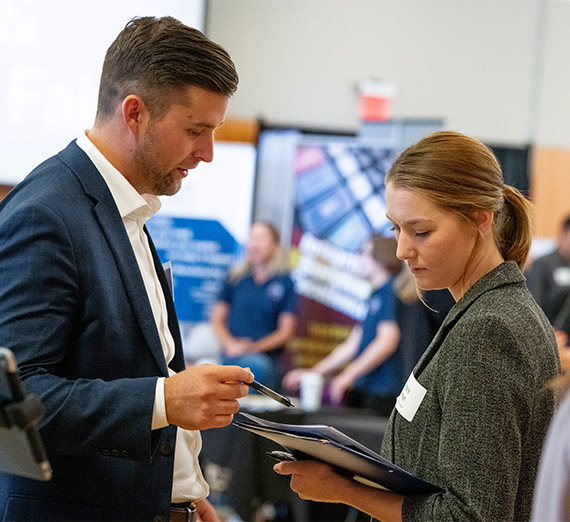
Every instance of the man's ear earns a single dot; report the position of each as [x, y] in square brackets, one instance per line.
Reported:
[484, 219]
[135, 114]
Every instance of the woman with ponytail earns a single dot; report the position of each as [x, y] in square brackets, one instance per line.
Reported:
[474, 413]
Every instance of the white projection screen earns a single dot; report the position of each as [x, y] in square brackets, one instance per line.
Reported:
[51, 54]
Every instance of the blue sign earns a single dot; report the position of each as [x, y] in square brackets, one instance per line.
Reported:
[201, 252]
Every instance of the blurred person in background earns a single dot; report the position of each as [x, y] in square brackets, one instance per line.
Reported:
[548, 279]
[373, 376]
[254, 315]
[419, 315]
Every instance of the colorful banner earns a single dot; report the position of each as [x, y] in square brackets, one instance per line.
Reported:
[339, 203]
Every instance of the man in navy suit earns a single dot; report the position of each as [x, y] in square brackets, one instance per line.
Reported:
[84, 302]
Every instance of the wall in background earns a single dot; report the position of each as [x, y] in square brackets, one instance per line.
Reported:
[550, 189]
[553, 76]
[51, 54]
[4, 189]
[480, 64]
[494, 69]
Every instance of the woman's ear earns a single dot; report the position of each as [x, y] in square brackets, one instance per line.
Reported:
[484, 220]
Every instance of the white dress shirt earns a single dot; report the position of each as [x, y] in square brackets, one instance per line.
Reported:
[135, 209]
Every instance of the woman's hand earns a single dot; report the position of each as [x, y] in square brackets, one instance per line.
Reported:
[313, 480]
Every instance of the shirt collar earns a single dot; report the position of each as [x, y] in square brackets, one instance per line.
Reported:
[130, 203]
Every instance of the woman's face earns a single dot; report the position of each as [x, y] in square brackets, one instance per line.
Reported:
[261, 246]
[435, 243]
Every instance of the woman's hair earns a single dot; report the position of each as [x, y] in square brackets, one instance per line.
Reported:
[384, 252]
[278, 263]
[461, 175]
[155, 58]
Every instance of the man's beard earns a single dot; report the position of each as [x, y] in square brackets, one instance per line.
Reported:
[156, 181]
[164, 185]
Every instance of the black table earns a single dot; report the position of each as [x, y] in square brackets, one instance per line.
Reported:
[241, 475]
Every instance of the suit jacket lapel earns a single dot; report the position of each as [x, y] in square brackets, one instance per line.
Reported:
[114, 230]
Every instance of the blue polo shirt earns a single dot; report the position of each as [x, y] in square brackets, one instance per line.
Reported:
[384, 380]
[255, 308]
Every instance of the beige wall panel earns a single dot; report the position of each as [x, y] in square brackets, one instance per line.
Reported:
[470, 61]
[4, 189]
[553, 104]
[238, 130]
[550, 188]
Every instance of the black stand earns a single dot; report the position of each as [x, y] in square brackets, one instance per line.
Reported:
[21, 448]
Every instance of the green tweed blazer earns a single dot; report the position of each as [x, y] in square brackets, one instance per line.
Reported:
[478, 432]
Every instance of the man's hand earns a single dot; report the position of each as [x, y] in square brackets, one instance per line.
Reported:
[205, 396]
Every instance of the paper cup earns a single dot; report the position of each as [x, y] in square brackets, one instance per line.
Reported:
[311, 391]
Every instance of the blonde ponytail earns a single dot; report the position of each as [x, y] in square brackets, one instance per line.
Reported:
[513, 226]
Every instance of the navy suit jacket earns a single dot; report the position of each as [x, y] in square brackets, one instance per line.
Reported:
[74, 310]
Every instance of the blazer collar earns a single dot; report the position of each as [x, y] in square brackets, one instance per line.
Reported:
[112, 225]
[504, 274]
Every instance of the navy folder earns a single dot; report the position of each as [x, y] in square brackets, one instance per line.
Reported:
[329, 445]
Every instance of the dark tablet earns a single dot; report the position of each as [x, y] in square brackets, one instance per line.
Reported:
[21, 448]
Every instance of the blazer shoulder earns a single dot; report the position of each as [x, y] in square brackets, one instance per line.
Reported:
[58, 180]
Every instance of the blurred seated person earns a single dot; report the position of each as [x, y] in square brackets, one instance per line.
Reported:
[548, 280]
[418, 318]
[373, 377]
[254, 315]
[563, 349]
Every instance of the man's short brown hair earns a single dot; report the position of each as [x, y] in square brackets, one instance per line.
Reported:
[155, 58]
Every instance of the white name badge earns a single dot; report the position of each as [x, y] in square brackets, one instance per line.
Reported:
[410, 398]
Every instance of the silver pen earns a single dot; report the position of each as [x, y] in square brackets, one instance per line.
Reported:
[270, 393]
